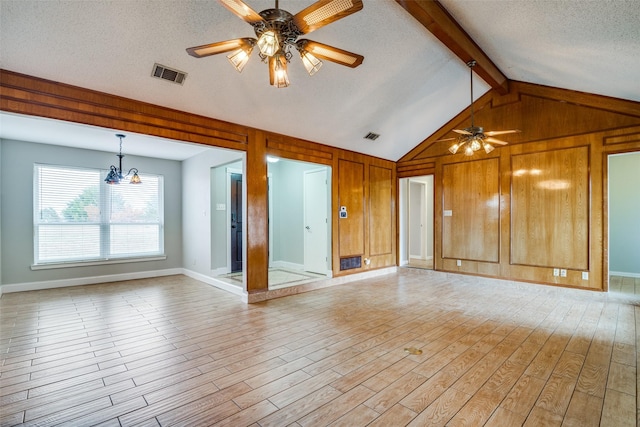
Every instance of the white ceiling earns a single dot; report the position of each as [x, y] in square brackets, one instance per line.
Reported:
[408, 86]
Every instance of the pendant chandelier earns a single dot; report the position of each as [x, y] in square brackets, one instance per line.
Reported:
[115, 173]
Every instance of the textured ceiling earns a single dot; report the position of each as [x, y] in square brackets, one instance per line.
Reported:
[408, 86]
[583, 45]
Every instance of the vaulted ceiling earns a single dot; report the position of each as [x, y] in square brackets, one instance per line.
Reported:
[409, 85]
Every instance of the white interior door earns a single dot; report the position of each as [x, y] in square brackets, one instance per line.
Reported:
[315, 221]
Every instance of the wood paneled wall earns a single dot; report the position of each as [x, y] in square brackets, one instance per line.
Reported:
[471, 210]
[366, 185]
[351, 196]
[550, 208]
[538, 203]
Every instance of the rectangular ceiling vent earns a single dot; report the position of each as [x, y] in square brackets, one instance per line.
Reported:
[372, 136]
[166, 73]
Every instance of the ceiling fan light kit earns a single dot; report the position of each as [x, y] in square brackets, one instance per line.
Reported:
[240, 57]
[474, 137]
[277, 33]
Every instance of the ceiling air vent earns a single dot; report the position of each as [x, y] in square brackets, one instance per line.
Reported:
[372, 136]
[166, 73]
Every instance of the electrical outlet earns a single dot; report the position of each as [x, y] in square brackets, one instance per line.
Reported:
[459, 263]
[585, 275]
[556, 272]
[563, 272]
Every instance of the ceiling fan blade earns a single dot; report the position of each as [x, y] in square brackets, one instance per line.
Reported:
[495, 141]
[462, 131]
[220, 47]
[330, 53]
[501, 132]
[445, 139]
[323, 12]
[240, 8]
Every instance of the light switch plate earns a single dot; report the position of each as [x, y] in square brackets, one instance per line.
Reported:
[459, 263]
[563, 272]
[556, 272]
[448, 213]
[585, 275]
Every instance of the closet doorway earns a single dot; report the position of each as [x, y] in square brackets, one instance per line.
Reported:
[416, 222]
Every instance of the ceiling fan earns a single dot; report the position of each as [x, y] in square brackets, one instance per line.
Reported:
[474, 137]
[277, 33]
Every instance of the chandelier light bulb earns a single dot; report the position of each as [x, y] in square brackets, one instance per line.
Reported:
[310, 62]
[268, 43]
[454, 148]
[280, 71]
[475, 144]
[488, 147]
[239, 58]
[468, 151]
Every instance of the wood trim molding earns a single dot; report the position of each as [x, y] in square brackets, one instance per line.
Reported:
[34, 96]
[435, 18]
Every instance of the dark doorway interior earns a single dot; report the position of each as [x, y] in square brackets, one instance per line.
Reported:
[236, 222]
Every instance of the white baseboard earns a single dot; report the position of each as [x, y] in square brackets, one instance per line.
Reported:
[219, 271]
[623, 274]
[288, 265]
[236, 290]
[92, 280]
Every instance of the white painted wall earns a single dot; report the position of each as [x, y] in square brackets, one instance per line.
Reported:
[197, 208]
[624, 214]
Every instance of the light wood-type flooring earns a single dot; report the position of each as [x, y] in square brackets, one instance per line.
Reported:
[174, 351]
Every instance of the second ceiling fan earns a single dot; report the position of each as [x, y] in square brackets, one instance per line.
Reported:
[474, 137]
[277, 33]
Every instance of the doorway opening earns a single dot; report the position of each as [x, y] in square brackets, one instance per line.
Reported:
[416, 222]
[299, 223]
[623, 195]
[236, 223]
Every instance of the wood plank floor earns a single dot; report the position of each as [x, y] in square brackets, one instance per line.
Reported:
[174, 351]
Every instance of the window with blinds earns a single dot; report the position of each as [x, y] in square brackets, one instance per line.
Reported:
[79, 217]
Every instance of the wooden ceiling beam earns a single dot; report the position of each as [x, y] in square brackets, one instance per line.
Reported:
[438, 21]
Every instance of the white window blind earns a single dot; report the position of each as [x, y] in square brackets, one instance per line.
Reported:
[78, 217]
